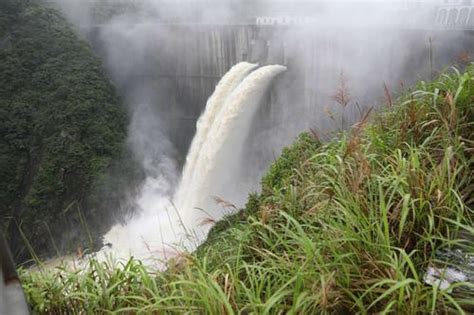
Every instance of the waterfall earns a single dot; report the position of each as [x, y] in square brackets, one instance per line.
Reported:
[226, 85]
[213, 162]
[220, 155]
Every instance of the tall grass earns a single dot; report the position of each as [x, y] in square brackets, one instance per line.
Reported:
[340, 228]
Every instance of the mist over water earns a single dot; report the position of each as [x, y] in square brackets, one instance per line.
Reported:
[166, 58]
[167, 223]
[148, 231]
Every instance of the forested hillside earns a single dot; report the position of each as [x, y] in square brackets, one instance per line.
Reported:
[62, 125]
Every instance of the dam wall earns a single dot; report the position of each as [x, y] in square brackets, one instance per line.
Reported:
[180, 65]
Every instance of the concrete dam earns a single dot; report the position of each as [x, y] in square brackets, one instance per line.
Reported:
[213, 104]
[178, 65]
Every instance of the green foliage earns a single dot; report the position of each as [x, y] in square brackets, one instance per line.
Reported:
[348, 227]
[280, 171]
[61, 124]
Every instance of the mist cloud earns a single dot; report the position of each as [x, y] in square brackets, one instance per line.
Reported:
[165, 57]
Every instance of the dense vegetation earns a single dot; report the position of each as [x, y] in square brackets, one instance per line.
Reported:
[349, 226]
[62, 125]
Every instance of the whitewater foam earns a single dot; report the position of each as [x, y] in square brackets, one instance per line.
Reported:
[220, 155]
[226, 86]
[162, 229]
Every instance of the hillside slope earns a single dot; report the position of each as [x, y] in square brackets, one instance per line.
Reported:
[346, 227]
[62, 125]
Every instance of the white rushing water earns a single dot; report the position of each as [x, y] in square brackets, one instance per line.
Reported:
[168, 224]
[221, 154]
[226, 86]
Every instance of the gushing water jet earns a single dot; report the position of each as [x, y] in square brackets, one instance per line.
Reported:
[211, 167]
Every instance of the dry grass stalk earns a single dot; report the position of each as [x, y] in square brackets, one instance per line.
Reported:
[266, 213]
[388, 95]
[179, 262]
[314, 135]
[359, 126]
[342, 96]
[207, 221]
[355, 140]
[221, 202]
[464, 57]
[452, 115]
[80, 252]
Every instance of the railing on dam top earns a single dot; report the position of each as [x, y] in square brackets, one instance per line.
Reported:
[457, 17]
[446, 18]
[445, 14]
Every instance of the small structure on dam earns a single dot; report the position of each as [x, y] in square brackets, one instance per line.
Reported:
[458, 15]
